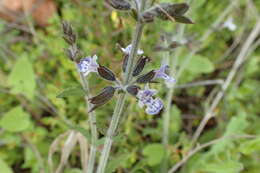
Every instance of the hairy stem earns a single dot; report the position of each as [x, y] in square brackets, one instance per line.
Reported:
[93, 126]
[167, 114]
[110, 133]
[121, 100]
[201, 83]
[133, 53]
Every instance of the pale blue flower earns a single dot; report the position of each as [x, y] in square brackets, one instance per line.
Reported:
[145, 96]
[128, 49]
[229, 24]
[88, 64]
[153, 106]
[160, 73]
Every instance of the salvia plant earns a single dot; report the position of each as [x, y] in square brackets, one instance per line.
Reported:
[134, 82]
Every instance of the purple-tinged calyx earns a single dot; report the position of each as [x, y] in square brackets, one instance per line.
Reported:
[128, 49]
[153, 106]
[88, 64]
[161, 73]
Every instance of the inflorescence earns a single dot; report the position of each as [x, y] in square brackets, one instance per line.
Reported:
[146, 96]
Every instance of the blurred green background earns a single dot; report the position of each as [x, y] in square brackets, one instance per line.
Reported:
[34, 70]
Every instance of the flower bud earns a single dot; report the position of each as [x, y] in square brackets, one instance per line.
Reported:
[133, 89]
[165, 11]
[102, 98]
[69, 35]
[140, 65]
[119, 4]
[146, 78]
[126, 57]
[106, 73]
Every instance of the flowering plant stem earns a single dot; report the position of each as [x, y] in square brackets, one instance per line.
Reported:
[166, 115]
[121, 100]
[92, 122]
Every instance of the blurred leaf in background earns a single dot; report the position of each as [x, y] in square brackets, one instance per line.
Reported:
[22, 78]
[16, 120]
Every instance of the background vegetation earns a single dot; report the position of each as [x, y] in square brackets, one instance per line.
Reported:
[34, 70]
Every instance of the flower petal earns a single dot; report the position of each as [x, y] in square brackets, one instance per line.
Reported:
[160, 73]
[146, 93]
[155, 107]
[87, 65]
[128, 49]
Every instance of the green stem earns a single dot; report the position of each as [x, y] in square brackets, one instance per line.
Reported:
[110, 133]
[167, 114]
[122, 97]
[93, 127]
[133, 53]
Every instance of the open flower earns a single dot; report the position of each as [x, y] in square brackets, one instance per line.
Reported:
[153, 106]
[88, 64]
[145, 96]
[128, 49]
[229, 24]
[160, 73]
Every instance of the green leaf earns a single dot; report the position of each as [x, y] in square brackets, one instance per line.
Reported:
[154, 153]
[100, 141]
[22, 78]
[30, 160]
[236, 126]
[72, 91]
[251, 146]
[4, 167]
[82, 130]
[116, 162]
[226, 166]
[16, 120]
[73, 170]
[200, 64]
